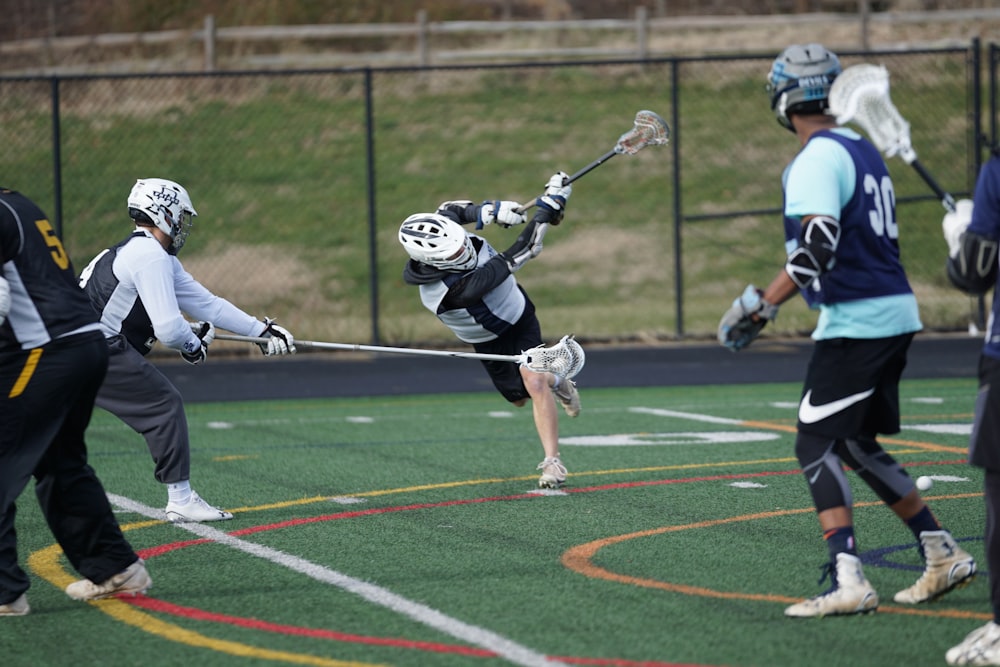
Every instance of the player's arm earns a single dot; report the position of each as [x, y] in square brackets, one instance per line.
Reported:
[972, 256]
[492, 211]
[751, 311]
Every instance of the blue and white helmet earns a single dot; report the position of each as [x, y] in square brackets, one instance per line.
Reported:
[800, 80]
[164, 204]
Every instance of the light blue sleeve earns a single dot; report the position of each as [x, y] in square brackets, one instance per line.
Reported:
[820, 180]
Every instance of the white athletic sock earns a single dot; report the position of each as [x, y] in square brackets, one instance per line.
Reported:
[179, 493]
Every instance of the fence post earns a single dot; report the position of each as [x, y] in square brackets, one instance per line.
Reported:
[423, 39]
[56, 155]
[675, 119]
[208, 40]
[642, 31]
[864, 14]
[372, 235]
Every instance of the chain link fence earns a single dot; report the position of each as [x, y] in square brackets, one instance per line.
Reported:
[301, 179]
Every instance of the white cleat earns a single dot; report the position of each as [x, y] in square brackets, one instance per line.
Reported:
[553, 473]
[18, 607]
[132, 580]
[195, 510]
[948, 567]
[568, 396]
[980, 647]
[851, 593]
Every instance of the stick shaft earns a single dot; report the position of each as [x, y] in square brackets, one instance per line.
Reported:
[946, 199]
[586, 170]
[378, 348]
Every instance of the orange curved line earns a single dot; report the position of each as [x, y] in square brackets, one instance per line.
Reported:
[579, 559]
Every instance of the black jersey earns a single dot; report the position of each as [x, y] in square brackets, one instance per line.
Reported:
[46, 302]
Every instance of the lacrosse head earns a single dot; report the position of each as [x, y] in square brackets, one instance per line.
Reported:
[649, 130]
[861, 95]
[565, 358]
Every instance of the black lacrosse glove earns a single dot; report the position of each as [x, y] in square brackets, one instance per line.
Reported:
[552, 204]
[205, 331]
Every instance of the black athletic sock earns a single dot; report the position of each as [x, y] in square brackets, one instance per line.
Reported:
[840, 540]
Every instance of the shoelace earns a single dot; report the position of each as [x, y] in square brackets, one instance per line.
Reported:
[556, 463]
[829, 571]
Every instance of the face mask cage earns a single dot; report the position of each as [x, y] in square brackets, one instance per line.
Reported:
[181, 228]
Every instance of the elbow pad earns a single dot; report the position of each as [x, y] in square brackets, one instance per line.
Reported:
[974, 269]
[817, 251]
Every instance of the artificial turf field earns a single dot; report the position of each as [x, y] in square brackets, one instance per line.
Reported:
[407, 530]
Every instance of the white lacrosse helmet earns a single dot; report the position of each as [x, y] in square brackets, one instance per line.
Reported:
[800, 80]
[438, 241]
[165, 204]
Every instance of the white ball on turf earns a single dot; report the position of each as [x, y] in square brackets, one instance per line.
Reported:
[924, 483]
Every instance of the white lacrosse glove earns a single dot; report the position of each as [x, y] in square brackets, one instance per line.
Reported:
[743, 322]
[4, 299]
[206, 334]
[954, 225]
[502, 212]
[527, 246]
[279, 339]
[552, 204]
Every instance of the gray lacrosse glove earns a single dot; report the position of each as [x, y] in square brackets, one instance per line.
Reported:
[4, 299]
[502, 212]
[205, 331]
[954, 225]
[552, 204]
[527, 246]
[743, 322]
[279, 339]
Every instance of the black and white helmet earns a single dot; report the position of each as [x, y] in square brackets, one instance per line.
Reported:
[800, 80]
[164, 204]
[438, 241]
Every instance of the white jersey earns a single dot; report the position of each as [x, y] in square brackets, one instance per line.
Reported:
[140, 290]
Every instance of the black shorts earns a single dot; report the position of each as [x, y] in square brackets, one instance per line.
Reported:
[525, 334]
[984, 445]
[852, 387]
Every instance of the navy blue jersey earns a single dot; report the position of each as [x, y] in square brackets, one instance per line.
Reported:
[866, 293]
[46, 302]
[868, 263]
[986, 223]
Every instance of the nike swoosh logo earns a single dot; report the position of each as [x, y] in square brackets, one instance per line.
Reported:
[810, 414]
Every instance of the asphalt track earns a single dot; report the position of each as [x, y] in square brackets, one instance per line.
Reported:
[330, 375]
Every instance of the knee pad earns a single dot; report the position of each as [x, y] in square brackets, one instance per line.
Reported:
[823, 470]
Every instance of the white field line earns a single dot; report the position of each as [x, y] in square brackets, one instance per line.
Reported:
[693, 416]
[503, 647]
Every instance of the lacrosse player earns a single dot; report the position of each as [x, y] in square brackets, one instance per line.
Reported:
[471, 288]
[52, 359]
[972, 233]
[841, 237]
[139, 288]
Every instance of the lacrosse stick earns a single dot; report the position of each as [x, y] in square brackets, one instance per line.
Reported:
[649, 129]
[565, 358]
[861, 94]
